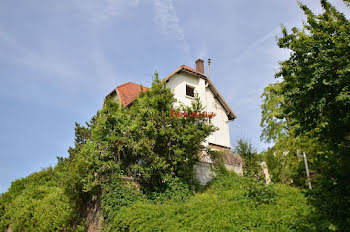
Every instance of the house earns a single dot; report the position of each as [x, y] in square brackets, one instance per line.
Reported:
[185, 83]
[126, 93]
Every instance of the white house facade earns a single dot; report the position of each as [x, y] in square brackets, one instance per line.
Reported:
[185, 82]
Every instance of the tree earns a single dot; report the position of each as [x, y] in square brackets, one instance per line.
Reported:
[251, 166]
[144, 141]
[316, 76]
[315, 92]
[273, 122]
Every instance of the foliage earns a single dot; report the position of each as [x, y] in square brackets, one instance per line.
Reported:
[218, 159]
[286, 164]
[114, 197]
[251, 166]
[281, 165]
[308, 110]
[141, 141]
[315, 77]
[175, 189]
[274, 124]
[260, 193]
[232, 203]
[36, 203]
[146, 141]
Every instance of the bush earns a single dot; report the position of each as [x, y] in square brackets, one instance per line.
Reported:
[36, 203]
[116, 196]
[230, 204]
[175, 189]
[261, 193]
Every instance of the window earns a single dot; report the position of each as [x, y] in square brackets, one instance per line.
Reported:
[189, 91]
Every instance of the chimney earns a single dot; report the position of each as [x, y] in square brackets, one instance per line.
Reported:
[200, 66]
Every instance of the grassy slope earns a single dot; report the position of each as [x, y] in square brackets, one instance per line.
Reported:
[232, 203]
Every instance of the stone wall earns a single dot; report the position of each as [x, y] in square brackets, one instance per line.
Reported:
[235, 168]
[203, 172]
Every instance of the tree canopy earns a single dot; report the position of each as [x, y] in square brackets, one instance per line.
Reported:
[309, 107]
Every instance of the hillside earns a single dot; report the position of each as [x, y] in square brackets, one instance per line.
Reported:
[90, 190]
[231, 203]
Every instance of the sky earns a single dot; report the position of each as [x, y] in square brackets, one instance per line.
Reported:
[58, 59]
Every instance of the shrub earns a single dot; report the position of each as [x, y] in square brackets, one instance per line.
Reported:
[261, 193]
[225, 206]
[114, 197]
[175, 189]
[36, 203]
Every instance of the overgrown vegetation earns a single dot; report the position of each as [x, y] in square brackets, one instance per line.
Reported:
[232, 203]
[37, 203]
[142, 142]
[308, 110]
[158, 155]
[252, 160]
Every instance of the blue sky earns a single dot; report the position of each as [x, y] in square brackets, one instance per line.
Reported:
[58, 59]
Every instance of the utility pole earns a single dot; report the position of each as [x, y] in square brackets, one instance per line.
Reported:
[307, 170]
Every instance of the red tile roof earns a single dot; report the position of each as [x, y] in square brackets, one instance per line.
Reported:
[128, 92]
[191, 69]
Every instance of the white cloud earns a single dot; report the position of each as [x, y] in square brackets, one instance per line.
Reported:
[103, 69]
[59, 67]
[46, 61]
[9, 41]
[203, 50]
[167, 21]
[102, 10]
[257, 43]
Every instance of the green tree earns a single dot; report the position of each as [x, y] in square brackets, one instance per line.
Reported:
[284, 159]
[251, 164]
[146, 141]
[273, 122]
[143, 141]
[314, 101]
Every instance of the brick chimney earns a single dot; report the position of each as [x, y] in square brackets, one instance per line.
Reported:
[200, 66]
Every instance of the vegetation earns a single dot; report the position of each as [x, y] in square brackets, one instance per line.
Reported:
[141, 141]
[159, 154]
[232, 203]
[308, 110]
[36, 203]
[252, 160]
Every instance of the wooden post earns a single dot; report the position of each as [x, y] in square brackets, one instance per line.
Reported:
[307, 170]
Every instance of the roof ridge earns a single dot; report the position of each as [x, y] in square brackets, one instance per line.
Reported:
[130, 82]
[125, 84]
[192, 70]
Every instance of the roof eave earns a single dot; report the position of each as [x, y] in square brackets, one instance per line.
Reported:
[182, 69]
[230, 114]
